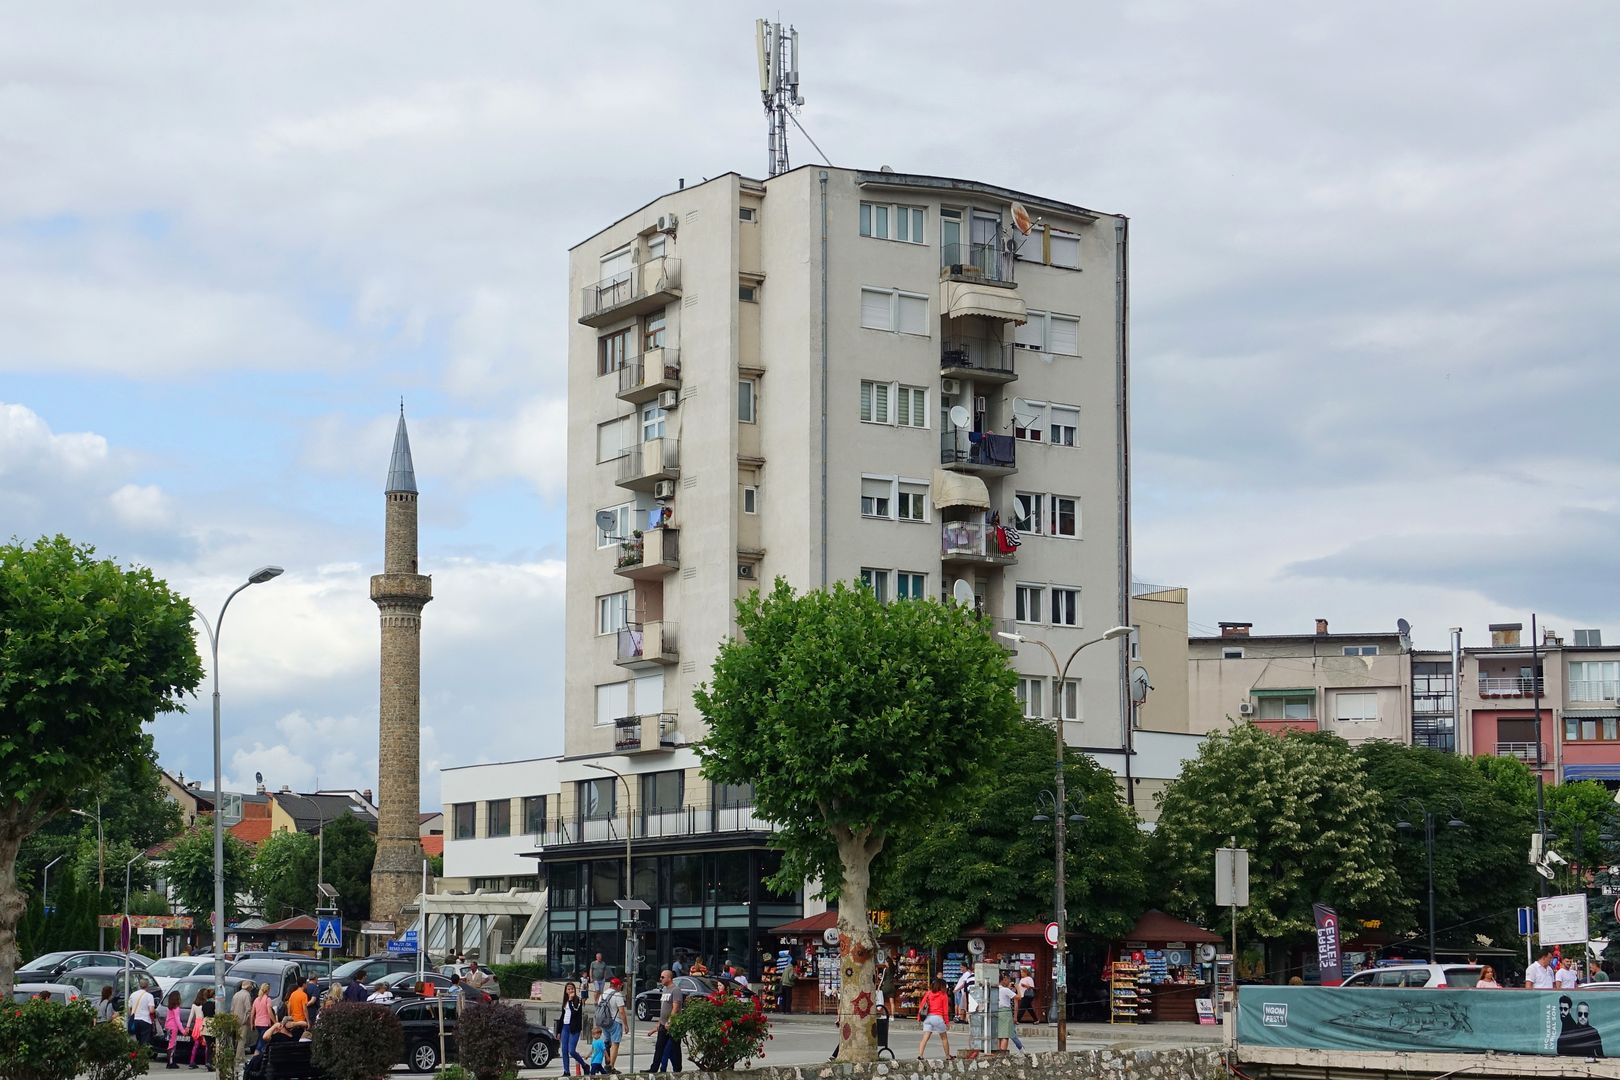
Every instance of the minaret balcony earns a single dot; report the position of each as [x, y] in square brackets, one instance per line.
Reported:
[642, 466]
[644, 377]
[646, 645]
[650, 555]
[644, 287]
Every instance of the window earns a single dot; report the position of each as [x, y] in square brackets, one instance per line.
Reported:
[652, 422]
[1361, 650]
[1065, 606]
[887, 222]
[1355, 708]
[1068, 700]
[663, 792]
[656, 245]
[911, 406]
[465, 820]
[913, 501]
[1064, 425]
[1594, 680]
[611, 351]
[1029, 695]
[1027, 606]
[748, 294]
[1136, 643]
[1049, 332]
[1604, 729]
[1027, 511]
[876, 493]
[524, 883]
[648, 692]
[596, 798]
[874, 402]
[877, 581]
[612, 612]
[745, 213]
[1065, 516]
[500, 817]
[613, 439]
[1065, 250]
[1588, 639]
[652, 332]
[750, 499]
[621, 528]
[909, 586]
[893, 310]
[732, 796]
[534, 814]
[612, 702]
[1033, 427]
[1302, 707]
[1232, 654]
[615, 264]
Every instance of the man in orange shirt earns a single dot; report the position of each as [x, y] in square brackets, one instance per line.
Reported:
[298, 1006]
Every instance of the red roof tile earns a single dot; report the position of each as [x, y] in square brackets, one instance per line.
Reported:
[433, 845]
[251, 831]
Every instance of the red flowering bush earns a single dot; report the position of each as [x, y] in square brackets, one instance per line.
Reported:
[721, 1029]
[44, 1040]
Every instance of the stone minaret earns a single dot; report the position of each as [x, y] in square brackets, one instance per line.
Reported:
[400, 594]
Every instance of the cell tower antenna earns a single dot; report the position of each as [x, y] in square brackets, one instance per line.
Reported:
[778, 48]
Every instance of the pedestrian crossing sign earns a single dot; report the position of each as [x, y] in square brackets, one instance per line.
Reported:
[329, 933]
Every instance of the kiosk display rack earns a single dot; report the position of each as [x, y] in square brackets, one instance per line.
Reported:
[911, 977]
[1125, 992]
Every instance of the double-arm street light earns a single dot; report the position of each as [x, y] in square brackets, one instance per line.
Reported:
[101, 868]
[1428, 848]
[258, 577]
[1061, 915]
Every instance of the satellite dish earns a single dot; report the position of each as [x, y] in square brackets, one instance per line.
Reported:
[606, 522]
[963, 593]
[1139, 684]
[1020, 218]
[1023, 415]
[959, 416]
[1404, 627]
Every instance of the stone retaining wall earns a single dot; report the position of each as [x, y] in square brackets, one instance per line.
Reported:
[1145, 1063]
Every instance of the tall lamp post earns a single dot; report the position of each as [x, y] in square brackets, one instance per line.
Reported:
[629, 911]
[126, 942]
[258, 577]
[101, 869]
[1061, 914]
[1428, 849]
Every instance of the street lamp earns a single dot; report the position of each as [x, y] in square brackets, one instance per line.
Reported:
[629, 966]
[101, 869]
[1428, 848]
[127, 942]
[258, 577]
[1061, 915]
[45, 889]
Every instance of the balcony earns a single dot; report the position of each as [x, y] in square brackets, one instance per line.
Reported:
[977, 359]
[646, 645]
[972, 543]
[1510, 686]
[1523, 751]
[635, 734]
[644, 377]
[978, 452]
[650, 555]
[1435, 733]
[643, 465]
[671, 824]
[1594, 690]
[644, 287]
[976, 262]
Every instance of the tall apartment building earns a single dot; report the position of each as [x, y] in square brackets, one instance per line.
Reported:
[815, 377]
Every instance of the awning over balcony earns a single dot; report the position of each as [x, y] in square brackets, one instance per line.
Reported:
[1269, 691]
[954, 489]
[970, 298]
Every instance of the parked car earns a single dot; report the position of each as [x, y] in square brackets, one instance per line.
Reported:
[1409, 976]
[282, 975]
[58, 963]
[700, 985]
[402, 984]
[492, 988]
[60, 992]
[171, 969]
[88, 981]
[1599, 986]
[420, 1019]
[372, 968]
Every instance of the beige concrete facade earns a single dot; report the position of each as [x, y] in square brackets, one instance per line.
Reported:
[773, 284]
[1159, 643]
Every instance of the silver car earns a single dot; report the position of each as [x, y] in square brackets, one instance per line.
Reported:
[1411, 976]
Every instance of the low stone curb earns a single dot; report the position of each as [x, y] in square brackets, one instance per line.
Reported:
[1142, 1063]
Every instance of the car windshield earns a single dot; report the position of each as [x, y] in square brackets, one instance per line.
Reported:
[350, 970]
[173, 968]
[322, 968]
[187, 988]
[50, 959]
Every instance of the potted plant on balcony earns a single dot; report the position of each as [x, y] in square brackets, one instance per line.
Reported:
[630, 550]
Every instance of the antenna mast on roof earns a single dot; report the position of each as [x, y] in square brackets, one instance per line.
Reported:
[778, 49]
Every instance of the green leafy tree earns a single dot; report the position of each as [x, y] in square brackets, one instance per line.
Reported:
[1583, 805]
[284, 875]
[89, 652]
[853, 719]
[189, 870]
[1510, 778]
[1300, 803]
[985, 861]
[350, 850]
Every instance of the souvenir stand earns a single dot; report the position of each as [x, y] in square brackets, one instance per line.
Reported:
[804, 943]
[1017, 948]
[1158, 972]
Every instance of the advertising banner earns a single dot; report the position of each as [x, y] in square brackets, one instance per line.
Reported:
[1570, 1023]
[1329, 965]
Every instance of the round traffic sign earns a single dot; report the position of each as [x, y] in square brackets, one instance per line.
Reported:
[1052, 933]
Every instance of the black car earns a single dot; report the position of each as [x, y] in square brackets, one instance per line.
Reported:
[88, 981]
[691, 985]
[420, 1019]
[60, 963]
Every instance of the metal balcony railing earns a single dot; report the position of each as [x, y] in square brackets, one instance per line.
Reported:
[650, 641]
[1594, 690]
[984, 261]
[1524, 751]
[675, 822]
[971, 540]
[1510, 686]
[641, 285]
[975, 355]
[653, 370]
[976, 449]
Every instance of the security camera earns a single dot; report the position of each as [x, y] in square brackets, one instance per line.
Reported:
[1554, 857]
[1545, 871]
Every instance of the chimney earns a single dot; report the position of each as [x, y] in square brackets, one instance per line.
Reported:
[1551, 639]
[1505, 635]
[1235, 629]
[285, 790]
[366, 795]
[1321, 626]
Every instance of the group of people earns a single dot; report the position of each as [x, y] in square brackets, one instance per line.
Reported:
[1015, 999]
[604, 1017]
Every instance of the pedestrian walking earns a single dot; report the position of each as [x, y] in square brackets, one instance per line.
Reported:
[476, 977]
[198, 1026]
[242, 1008]
[964, 992]
[356, 990]
[140, 1008]
[1006, 1005]
[1539, 975]
[570, 1027]
[1026, 999]
[599, 976]
[312, 1000]
[1565, 978]
[173, 1025]
[298, 1005]
[598, 1051]
[104, 1007]
[264, 1014]
[784, 996]
[667, 1048]
[1487, 979]
[611, 1018]
[933, 1013]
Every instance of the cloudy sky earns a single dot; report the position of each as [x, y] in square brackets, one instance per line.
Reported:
[1376, 255]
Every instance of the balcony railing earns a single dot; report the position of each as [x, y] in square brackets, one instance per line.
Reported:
[678, 822]
[1510, 686]
[983, 262]
[1594, 690]
[653, 554]
[1435, 734]
[644, 377]
[1524, 751]
[976, 451]
[632, 734]
[643, 465]
[646, 645]
[643, 287]
[975, 358]
[1432, 703]
[973, 542]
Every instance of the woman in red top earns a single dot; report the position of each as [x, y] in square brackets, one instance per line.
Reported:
[935, 1013]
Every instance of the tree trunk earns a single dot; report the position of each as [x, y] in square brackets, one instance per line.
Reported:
[12, 902]
[857, 950]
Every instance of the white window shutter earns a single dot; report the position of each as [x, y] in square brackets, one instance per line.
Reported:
[650, 694]
[1065, 250]
[877, 309]
[1065, 335]
[913, 315]
[1032, 334]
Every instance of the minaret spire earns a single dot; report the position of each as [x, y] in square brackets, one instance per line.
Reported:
[401, 472]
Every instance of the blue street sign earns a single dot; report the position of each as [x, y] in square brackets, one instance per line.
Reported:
[329, 932]
[409, 935]
[1527, 921]
[402, 947]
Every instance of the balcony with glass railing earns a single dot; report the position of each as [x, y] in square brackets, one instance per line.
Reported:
[642, 466]
[655, 824]
[1594, 690]
[644, 377]
[642, 288]
[646, 645]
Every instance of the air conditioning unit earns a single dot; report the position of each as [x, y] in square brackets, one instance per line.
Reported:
[669, 399]
[1245, 708]
[745, 570]
[950, 387]
[667, 223]
[664, 489]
